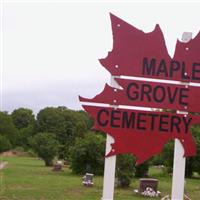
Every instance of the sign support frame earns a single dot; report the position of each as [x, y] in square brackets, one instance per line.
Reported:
[178, 179]
[178, 172]
[110, 162]
[109, 172]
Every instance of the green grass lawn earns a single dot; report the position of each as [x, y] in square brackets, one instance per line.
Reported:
[26, 178]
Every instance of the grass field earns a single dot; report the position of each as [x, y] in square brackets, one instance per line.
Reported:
[26, 178]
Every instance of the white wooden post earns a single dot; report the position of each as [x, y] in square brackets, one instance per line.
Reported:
[109, 172]
[179, 161]
[110, 162]
[178, 172]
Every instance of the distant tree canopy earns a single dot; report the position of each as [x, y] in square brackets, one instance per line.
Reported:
[8, 129]
[66, 124]
[4, 143]
[23, 117]
[67, 134]
[88, 120]
[24, 121]
[60, 120]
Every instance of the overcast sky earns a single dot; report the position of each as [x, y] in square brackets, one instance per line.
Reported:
[50, 51]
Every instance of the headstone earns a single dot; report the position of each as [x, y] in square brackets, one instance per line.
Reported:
[58, 166]
[148, 183]
[88, 179]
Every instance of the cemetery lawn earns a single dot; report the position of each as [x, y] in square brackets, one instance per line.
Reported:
[26, 178]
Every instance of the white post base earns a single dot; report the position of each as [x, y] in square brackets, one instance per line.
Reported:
[109, 172]
[178, 172]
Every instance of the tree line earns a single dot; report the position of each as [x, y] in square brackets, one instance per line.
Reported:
[58, 132]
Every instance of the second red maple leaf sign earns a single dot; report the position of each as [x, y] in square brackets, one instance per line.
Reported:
[139, 54]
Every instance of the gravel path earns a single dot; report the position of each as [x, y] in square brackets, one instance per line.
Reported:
[3, 164]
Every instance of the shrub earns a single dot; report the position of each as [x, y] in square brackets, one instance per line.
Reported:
[192, 163]
[168, 156]
[4, 144]
[142, 170]
[7, 128]
[124, 169]
[87, 155]
[157, 160]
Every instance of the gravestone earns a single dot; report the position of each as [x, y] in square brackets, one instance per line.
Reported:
[148, 183]
[88, 179]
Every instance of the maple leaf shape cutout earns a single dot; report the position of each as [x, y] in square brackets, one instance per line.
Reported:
[143, 132]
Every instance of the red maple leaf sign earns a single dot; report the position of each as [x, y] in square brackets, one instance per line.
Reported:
[144, 132]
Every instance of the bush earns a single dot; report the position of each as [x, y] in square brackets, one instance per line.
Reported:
[4, 144]
[87, 155]
[142, 170]
[23, 117]
[168, 156]
[46, 147]
[192, 163]
[124, 169]
[7, 128]
[23, 137]
[157, 160]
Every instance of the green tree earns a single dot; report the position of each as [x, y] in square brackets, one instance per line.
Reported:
[142, 169]
[168, 156]
[193, 163]
[4, 144]
[50, 120]
[125, 168]
[66, 124]
[24, 121]
[7, 128]
[45, 146]
[78, 120]
[87, 155]
[23, 117]
[24, 135]
[87, 119]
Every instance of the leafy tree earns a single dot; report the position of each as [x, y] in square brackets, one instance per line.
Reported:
[23, 117]
[87, 119]
[78, 121]
[157, 160]
[45, 146]
[7, 128]
[168, 156]
[4, 144]
[124, 169]
[24, 121]
[24, 135]
[142, 169]
[87, 155]
[65, 124]
[50, 120]
[193, 163]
